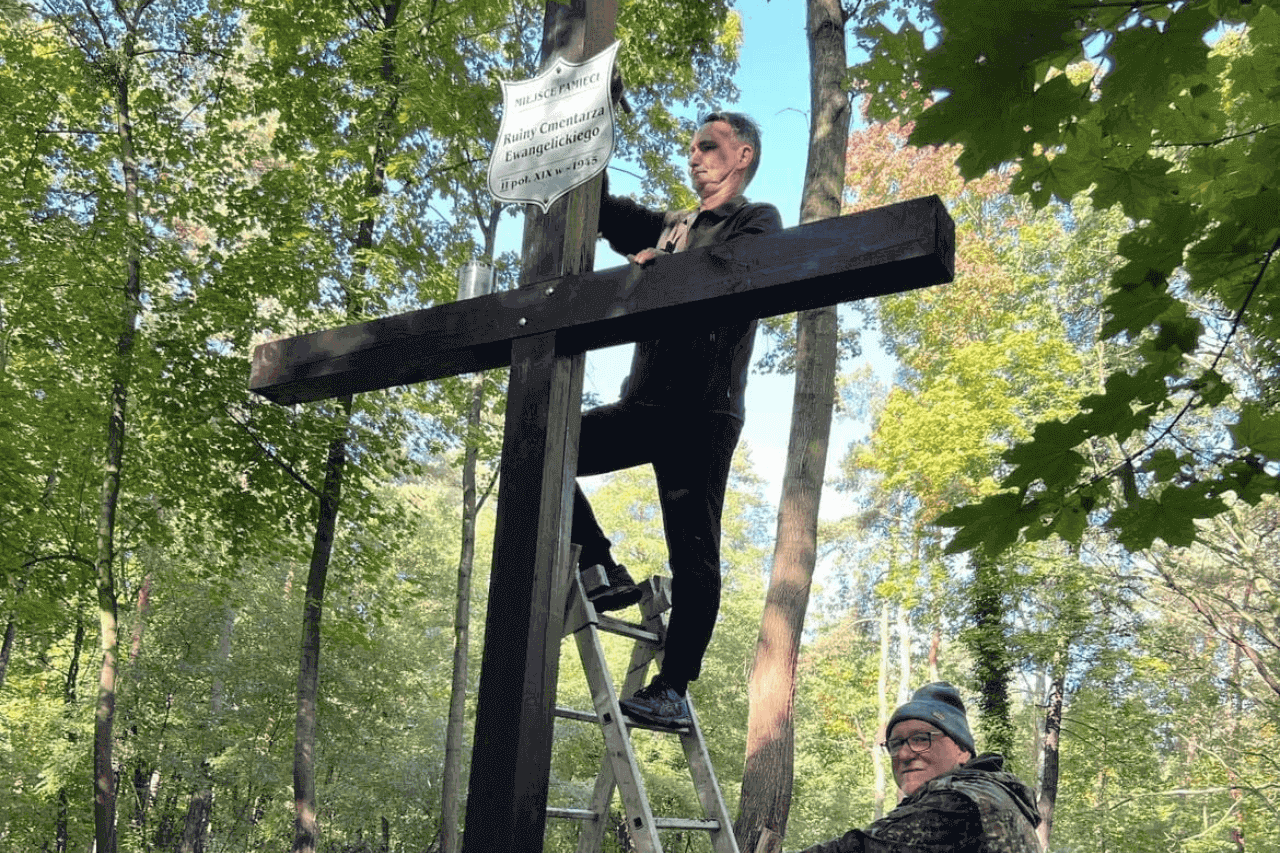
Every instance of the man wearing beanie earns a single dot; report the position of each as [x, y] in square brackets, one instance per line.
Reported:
[952, 801]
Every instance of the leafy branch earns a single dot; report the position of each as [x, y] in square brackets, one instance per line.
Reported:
[1124, 4]
[1129, 458]
[1230, 635]
[1220, 140]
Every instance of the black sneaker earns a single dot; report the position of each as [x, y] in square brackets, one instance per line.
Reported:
[658, 705]
[621, 591]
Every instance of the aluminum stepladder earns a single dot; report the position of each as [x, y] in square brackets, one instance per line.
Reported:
[619, 766]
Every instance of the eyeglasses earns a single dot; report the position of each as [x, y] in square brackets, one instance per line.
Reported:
[916, 742]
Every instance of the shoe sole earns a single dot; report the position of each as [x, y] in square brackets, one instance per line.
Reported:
[651, 720]
[616, 598]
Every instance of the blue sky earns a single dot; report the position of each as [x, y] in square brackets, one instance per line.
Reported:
[773, 78]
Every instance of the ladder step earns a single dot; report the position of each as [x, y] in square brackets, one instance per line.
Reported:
[570, 814]
[686, 823]
[668, 730]
[663, 823]
[592, 717]
[575, 714]
[620, 770]
[627, 629]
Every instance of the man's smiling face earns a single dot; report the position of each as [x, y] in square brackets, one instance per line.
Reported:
[912, 769]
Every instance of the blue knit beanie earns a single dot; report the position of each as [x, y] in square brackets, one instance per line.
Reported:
[938, 703]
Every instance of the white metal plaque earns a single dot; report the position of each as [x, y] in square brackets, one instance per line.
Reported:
[556, 131]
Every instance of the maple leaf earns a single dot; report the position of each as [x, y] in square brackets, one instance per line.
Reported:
[1136, 306]
[1258, 430]
[994, 523]
[1115, 412]
[1165, 464]
[1042, 177]
[1050, 456]
[1138, 187]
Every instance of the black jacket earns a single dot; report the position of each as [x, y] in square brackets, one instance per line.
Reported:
[704, 372]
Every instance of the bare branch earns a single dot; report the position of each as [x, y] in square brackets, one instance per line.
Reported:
[273, 456]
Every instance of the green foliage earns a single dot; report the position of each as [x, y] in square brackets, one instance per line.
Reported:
[293, 161]
[1089, 378]
[836, 734]
[1166, 113]
[256, 130]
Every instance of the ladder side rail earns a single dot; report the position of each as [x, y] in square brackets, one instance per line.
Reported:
[707, 786]
[619, 766]
[654, 606]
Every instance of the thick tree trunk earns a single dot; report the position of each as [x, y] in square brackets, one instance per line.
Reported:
[768, 774]
[104, 800]
[1051, 756]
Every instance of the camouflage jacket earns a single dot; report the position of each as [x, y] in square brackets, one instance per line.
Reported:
[976, 808]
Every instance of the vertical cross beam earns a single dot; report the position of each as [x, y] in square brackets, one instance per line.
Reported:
[511, 755]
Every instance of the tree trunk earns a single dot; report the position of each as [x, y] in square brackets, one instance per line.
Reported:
[306, 827]
[68, 700]
[1051, 757]
[104, 800]
[141, 611]
[196, 822]
[195, 826]
[882, 717]
[455, 730]
[6, 649]
[451, 796]
[142, 770]
[989, 647]
[768, 775]
[935, 646]
[306, 836]
[904, 654]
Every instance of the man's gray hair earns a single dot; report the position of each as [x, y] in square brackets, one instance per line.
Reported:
[746, 129]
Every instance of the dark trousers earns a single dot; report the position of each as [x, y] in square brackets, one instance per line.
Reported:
[691, 456]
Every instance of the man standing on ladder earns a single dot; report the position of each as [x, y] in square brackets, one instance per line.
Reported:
[681, 410]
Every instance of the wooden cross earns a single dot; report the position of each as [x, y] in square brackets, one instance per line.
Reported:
[542, 331]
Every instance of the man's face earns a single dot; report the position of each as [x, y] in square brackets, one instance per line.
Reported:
[913, 769]
[718, 161]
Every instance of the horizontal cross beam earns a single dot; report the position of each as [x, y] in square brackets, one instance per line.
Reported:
[889, 249]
